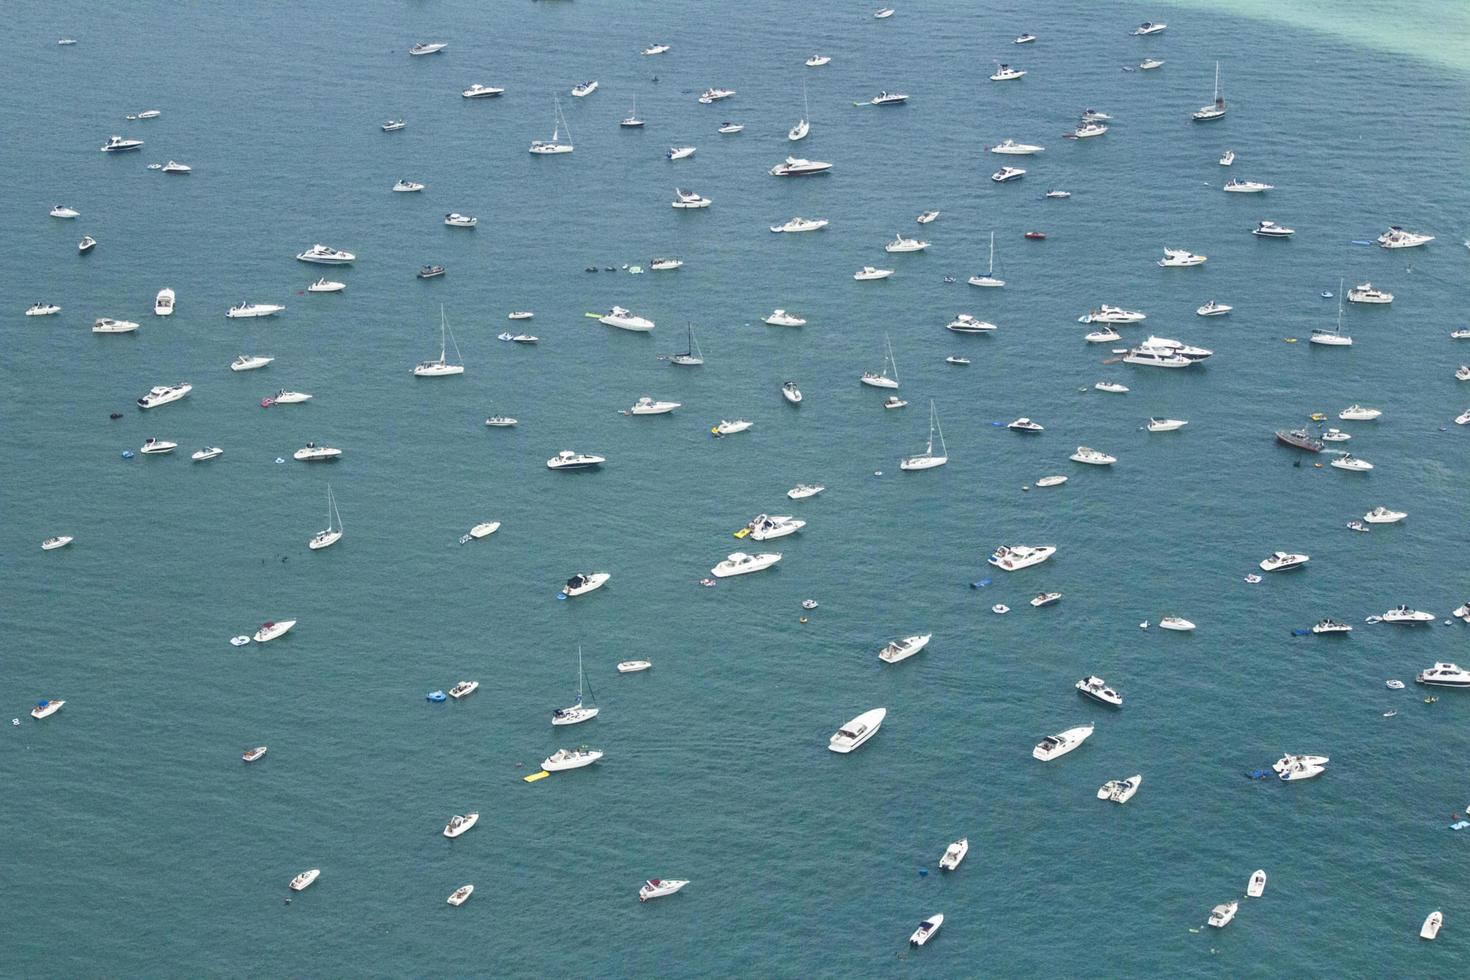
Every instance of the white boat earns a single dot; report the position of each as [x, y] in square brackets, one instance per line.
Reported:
[956, 359]
[818, 60]
[394, 125]
[1106, 335]
[157, 447]
[729, 427]
[252, 755]
[249, 310]
[478, 91]
[284, 397]
[693, 357]
[1397, 237]
[926, 929]
[803, 125]
[456, 220]
[1227, 158]
[116, 144]
[1024, 424]
[463, 689]
[1051, 481]
[883, 380]
[1056, 746]
[1347, 461]
[1221, 915]
[460, 824]
[1443, 675]
[868, 272]
[1005, 73]
[659, 887]
[441, 368]
[1216, 109]
[60, 541]
[1057, 195]
[1382, 515]
[791, 393]
[1097, 689]
[585, 582]
[730, 128]
[554, 145]
[482, 530]
[1046, 599]
[927, 217]
[799, 167]
[1024, 39]
[163, 303]
[688, 200]
[625, 320]
[569, 460]
[325, 255]
[1432, 923]
[273, 630]
[461, 895]
[633, 666]
[632, 120]
[889, 98]
[520, 315]
[86, 244]
[250, 362]
[1365, 293]
[1013, 558]
[1155, 357]
[767, 527]
[1147, 28]
[893, 401]
[801, 224]
[1270, 229]
[1180, 258]
[681, 152]
[1462, 373]
[1112, 315]
[1281, 561]
[1298, 771]
[1087, 130]
[653, 49]
[578, 712]
[1257, 885]
[954, 854]
[405, 186]
[1011, 147]
[430, 47]
[711, 95]
[1331, 626]
[325, 285]
[43, 309]
[780, 318]
[966, 323]
[739, 563]
[563, 759]
[46, 708]
[665, 265]
[1007, 173]
[163, 394]
[1111, 386]
[1120, 790]
[62, 211]
[1178, 624]
[1335, 435]
[1092, 457]
[900, 650]
[333, 532]
[1405, 616]
[648, 405]
[303, 881]
[804, 490]
[857, 731]
[312, 453]
[1234, 186]
[883, 13]
[1329, 338]
[1165, 425]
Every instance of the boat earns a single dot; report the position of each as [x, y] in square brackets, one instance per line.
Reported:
[62, 211]
[633, 666]
[1007, 173]
[423, 48]
[954, 854]
[578, 712]
[780, 318]
[1282, 561]
[312, 453]
[1444, 675]
[563, 759]
[325, 255]
[893, 401]
[926, 930]
[883, 14]
[569, 460]
[1432, 923]
[730, 128]
[693, 357]
[1024, 39]
[303, 881]
[60, 541]
[900, 650]
[740, 563]
[46, 708]
[1331, 626]
[1462, 373]
[1179, 258]
[1120, 790]
[1093, 457]
[1013, 558]
[711, 95]
[1300, 770]
[729, 427]
[478, 91]
[1097, 689]
[868, 272]
[853, 734]
[791, 393]
[801, 224]
[163, 394]
[1165, 425]
[1056, 746]
[584, 89]
[927, 217]
[957, 359]
[1365, 293]
[584, 582]
[632, 120]
[405, 186]
[1270, 229]
[680, 152]
[333, 532]
[1403, 615]
[1005, 73]
[799, 167]
[463, 689]
[1335, 435]
[273, 630]
[659, 887]
[1382, 515]
[1156, 357]
[653, 49]
[86, 244]
[1257, 885]
[251, 755]
[1394, 685]
[1147, 28]
[966, 323]
[1227, 158]
[1235, 186]
[393, 125]
[1051, 481]
[1221, 915]
[664, 265]
[1058, 195]
[1463, 418]
[441, 368]
[818, 60]
[117, 144]
[163, 303]
[766, 527]
[1347, 461]
[1010, 147]
[461, 895]
[624, 320]
[1112, 314]
[1178, 624]
[1397, 237]
[889, 98]
[1216, 109]
[803, 125]
[1329, 338]
[42, 309]
[804, 490]
[157, 447]
[554, 145]
[883, 380]
[1087, 130]
[1106, 335]
[520, 315]
[325, 285]
[1024, 424]
[928, 459]
[1112, 387]
[1046, 599]
[250, 310]
[250, 362]
[284, 397]
[1299, 439]
[456, 220]
[1149, 64]
[688, 200]
[460, 824]
[650, 406]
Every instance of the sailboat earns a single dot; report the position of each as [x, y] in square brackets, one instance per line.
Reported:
[989, 278]
[441, 367]
[1333, 338]
[804, 126]
[577, 713]
[927, 460]
[333, 533]
[883, 380]
[632, 122]
[1216, 109]
[554, 145]
[693, 357]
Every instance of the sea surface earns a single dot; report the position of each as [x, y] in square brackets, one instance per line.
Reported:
[136, 843]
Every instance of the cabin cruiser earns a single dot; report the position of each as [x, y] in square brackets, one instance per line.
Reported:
[405, 186]
[1227, 158]
[520, 315]
[246, 310]
[163, 394]
[478, 91]
[325, 285]
[1247, 187]
[1299, 439]
[1056, 746]
[569, 460]
[60, 541]
[1088, 130]
[1010, 146]
[739, 563]
[659, 887]
[1120, 790]
[893, 401]
[1406, 616]
[857, 731]
[780, 318]
[791, 393]
[650, 406]
[459, 824]
[157, 447]
[1213, 308]
[585, 582]
[174, 167]
[1111, 314]
[1013, 558]
[1097, 689]
[869, 272]
[801, 224]
[86, 244]
[1183, 350]
[250, 362]
[765, 527]
[680, 152]
[798, 167]
[1165, 425]
[1270, 229]
[689, 200]
[1024, 39]
[1176, 623]
[1382, 515]
[1107, 335]
[42, 309]
[900, 650]
[563, 759]
[1462, 373]
[954, 854]
[456, 220]
[730, 128]
[463, 689]
[393, 125]
[1281, 561]
[715, 95]
[653, 49]
[818, 60]
[624, 320]
[965, 323]
[1221, 915]
[583, 90]
[1444, 675]
[1005, 73]
[1051, 481]
[1288, 760]
[1111, 386]
[502, 422]
[1156, 357]
[273, 630]
[1093, 457]
[1149, 64]
[323, 255]
[804, 490]
[1397, 237]
[423, 48]
[888, 98]
[1335, 435]
[1357, 413]
[928, 927]
[1025, 425]
[284, 397]
[662, 265]
[927, 217]
[1007, 173]
[312, 453]
[902, 244]
[728, 427]
[1300, 770]
[116, 144]
[1330, 625]
[62, 211]
[461, 895]
[1147, 28]
[1180, 257]
[1365, 293]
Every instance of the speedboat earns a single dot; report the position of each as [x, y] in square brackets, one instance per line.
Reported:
[804, 490]
[461, 895]
[393, 125]
[883, 13]
[520, 315]
[1213, 308]
[715, 95]
[273, 630]
[563, 759]
[798, 167]
[1165, 425]
[1176, 623]
[251, 755]
[1005, 73]
[1282, 561]
[1112, 387]
[954, 854]
[1221, 915]
[1013, 558]
[1180, 257]
[1097, 689]
[1185, 351]
[780, 318]
[624, 320]
[739, 563]
[689, 200]
[585, 582]
[60, 541]
[1092, 456]
[857, 731]
[1397, 237]
[312, 453]
[801, 224]
[889, 98]
[163, 394]
[765, 527]
[926, 930]
[1444, 675]
[1056, 195]
[1403, 615]
[965, 323]
[478, 91]
[1331, 626]
[304, 879]
[730, 128]
[163, 303]
[459, 824]
[62, 211]
[1024, 39]
[893, 401]
[1299, 439]
[1462, 373]
[1051, 481]
[1010, 146]
[325, 285]
[1007, 173]
[1120, 790]
[1056, 746]
[324, 255]
[157, 447]
[406, 186]
[46, 708]
[927, 217]
[569, 460]
[1227, 158]
[1347, 461]
[1270, 229]
[1299, 770]
[659, 887]
[1107, 335]
[1111, 314]
[664, 265]
[1365, 293]
[43, 309]
[728, 427]
[791, 393]
[956, 359]
[868, 272]
[1046, 599]
[116, 144]
[250, 362]
[818, 60]
[284, 397]
[1147, 28]
[1087, 130]
[1025, 425]
[1234, 186]
[464, 689]
[900, 650]
[86, 244]
[681, 152]
[423, 48]
[633, 666]
[650, 406]
[1382, 515]
[245, 310]
[1432, 923]
[653, 49]
[1149, 64]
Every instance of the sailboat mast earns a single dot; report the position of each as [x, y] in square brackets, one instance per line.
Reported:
[891, 362]
[990, 269]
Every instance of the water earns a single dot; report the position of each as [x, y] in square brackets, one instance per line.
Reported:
[133, 830]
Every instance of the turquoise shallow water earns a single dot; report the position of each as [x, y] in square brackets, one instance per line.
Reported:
[137, 843]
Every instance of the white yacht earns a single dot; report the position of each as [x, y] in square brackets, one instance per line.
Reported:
[893, 401]
[62, 211]
[1106, 335]
[569, 460]
[116, 144]
[730, 128]
[247, 310]
[563, 759]
[324, 255]
[405, 186]
[652, 406]
[1013, 558]
[250, 362]
[1186, 351]
[1403, 615]
[1147, 28]
[688, 200]
[1056, 746]
[868, 272]
[1216, 109]
[791, 393]
[1221, 915]
[325, 285]
[427, 47]
[857, 731]
[632, 120]
[163, 303]
[1087, 130]
[333, 532]
[482, 530]
[883, 380]
[554, 145]
[653, 49]
[1397, 237]
[1112, 387]
[728, 427]
[520, 315]
[905, 648]
[624, 320]
[441, 367]
[1024, 424]
[1462, 373]
[1180, 257]
[957, 360]
[1213, 308]
[1120, 790]
[1382, 515]
[175, 167]
[681, 152]
[711, 95]
[798, 167]
[1178, 624]
[478, 91]
[889, 98]
[585, 582]
[1270, 229]
[801, 224]
[1111, 314]
[1097, 689]
[1444, 675]
[664, 265]
[1093, 457]
[1058, 195]
[965, 323]
[1357, 413]
[1005, 73]
[780, 318]
[463, 689]
[456, 220]
[954, 854]
[1044, 599]
[1282, 561]
[803, 125]
[818, 60]
[1155, 357]
[304, 879]
[460, 824]
[1051, 481]
[46, 708]
[1365, 293]
[393, 125]
[765, 527]
[1010, 146]
[43, 309]
[1165, 425]
[927, 217]
[659, 887]
[312, 453]
[1234, 186]
[1007, 173]
[804, 490]
[273, 630]
[989, 280]
[163, 394]
[929, 926]
[739, 563]
[1300, 770]
[1432, 923]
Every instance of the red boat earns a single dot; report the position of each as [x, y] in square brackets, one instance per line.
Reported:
[1036, 236]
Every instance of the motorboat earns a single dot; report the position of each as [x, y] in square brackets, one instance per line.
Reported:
[248, 310]
[818, 60]
[1007, 173]
[1365, 293]
[740, 563]
[1165, 425]
[569, 460]
[1106, 335]
[1216, 109]
[1111, 387]
[688, 200]
[175, 167]
[1156, 357]
[1270, 229]
[856, 732]
[117, 144]
[889, 98]
[157, 447]
[653, 49]
[42, 309]
[1397, 237]
[1120, 790]
[1288, 760]
[1463, 418]
[1335, 435]
[900, 650]
[625, 320]
[957, 360]
[1299, 439]
[1088, 130]
[332, 533]
[62, 211]
[250, 362]
[1149, 64]
[456, 220]
[163, 303]
[1177, 624]
[791, 393]
[1393, 685]
[303, 881]
[928, 459]
[86, 244]
[651, 406]
[868, 272]
[680, 152]
[1432, 923]
[1013, 558]
[460, 824]
[780, 318]
[1044, 599]
[312, 453]
[1221, 915]
[1283, 561]
[1462, 373]
[1299, 771]
[730, 128]
[926, 929]
[273, 630]
[801, 224]
[1005, 73]
[441, 367]
[394, 125]
[954, 854]
[60, 541]
[798, 167]
[664, 265]
[1347, 461]
[1184, 350]
[584, 582]
[463, 689]
[1331, 626]
[1180, 257]
[1092, 457]
[478, 91]
[1382, 515]
[893, 401]
[927, 217]
[804, 490]
[883, 13]
[1234, 186]
[1444, 675]
[163, 394]
[1011, 147]
[1405, 616]
[285, 397]
[1112, 314]
[1147, 28]
[563, 759]
[1057, 195]
[729, 427]
[554, 145]
[325, 255]
[325, 285]
[1051, 481]
[965, 323]
[461, 895]
[520, 315]
[1097, 689]
[405, 186]
[659, 887]
[765, 527]
[46, 708]
[711, 95]
[252, 755]
[1024, 424]
[423, 48]
[1024, 39]
[633, 666]
[1227, 158]
[1056, 746]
